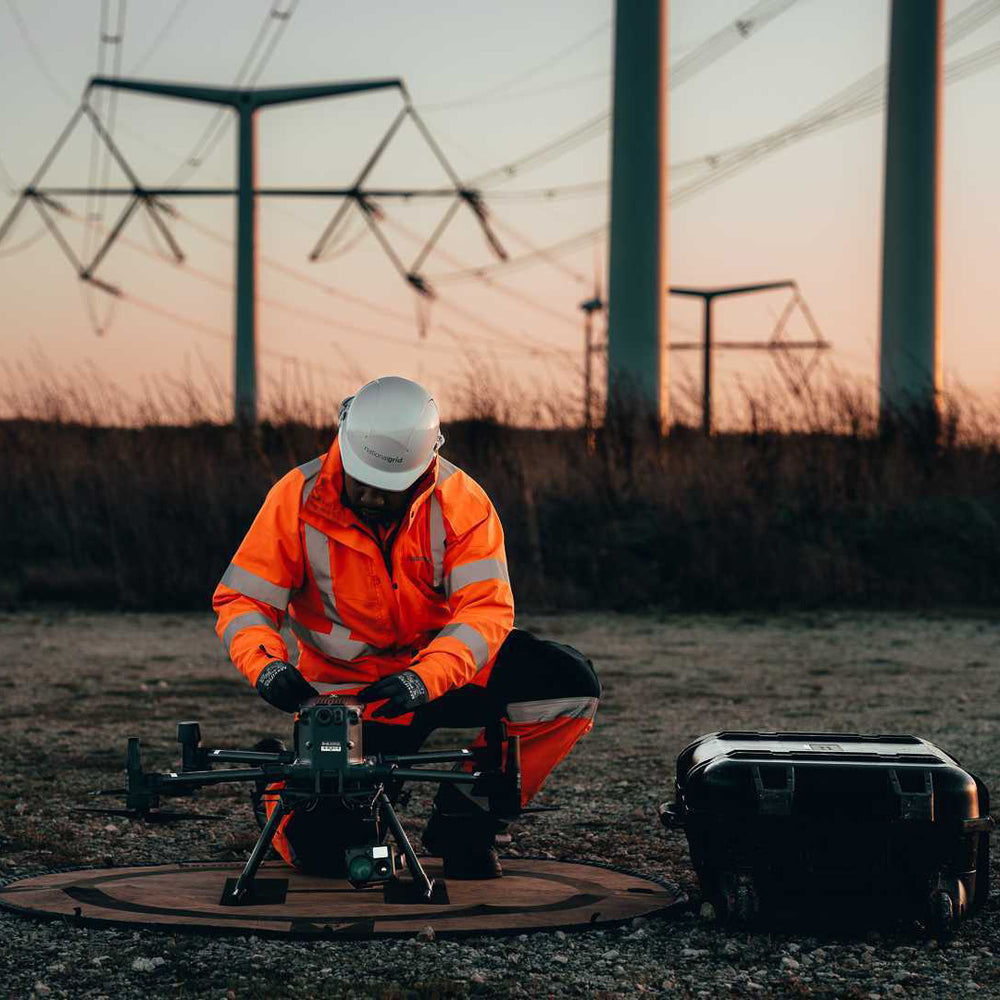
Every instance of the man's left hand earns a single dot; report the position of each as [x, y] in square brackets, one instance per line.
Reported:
[405, 692]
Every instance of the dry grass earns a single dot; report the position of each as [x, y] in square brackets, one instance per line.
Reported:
[139, 503]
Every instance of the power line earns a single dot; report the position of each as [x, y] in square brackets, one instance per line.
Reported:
[26, 243]
[510, 347]
[161, 36]
[276, 19]
[521, 297]
[712, 49]
[568, 245]
[100, 154]
[8, 180]
[535, 70]
[726, 39]
[522, 95]
[36, 53]
[863, 97]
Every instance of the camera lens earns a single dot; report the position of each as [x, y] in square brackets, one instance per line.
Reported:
[323, 717]
[338, 716]
[360, 869]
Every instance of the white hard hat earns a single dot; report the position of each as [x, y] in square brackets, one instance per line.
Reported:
[389, 433]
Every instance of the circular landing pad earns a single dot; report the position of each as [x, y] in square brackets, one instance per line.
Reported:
[532, 895]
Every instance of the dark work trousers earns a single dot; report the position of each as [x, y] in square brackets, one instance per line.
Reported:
[545, 692]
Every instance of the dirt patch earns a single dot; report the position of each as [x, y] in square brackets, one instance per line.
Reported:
[74, 685]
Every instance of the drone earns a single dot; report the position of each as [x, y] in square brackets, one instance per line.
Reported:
[328, 762]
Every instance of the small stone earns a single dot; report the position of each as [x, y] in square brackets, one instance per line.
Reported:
[561, 959]
[694, 952]
[560, 935]
[522, 937]
[756, 987]
[477, 977]
[41, 989]
[148, 964]
[619, 970]
[426, 933]
[790, 963]
[110, 828]
[610, 954]
[707, 911]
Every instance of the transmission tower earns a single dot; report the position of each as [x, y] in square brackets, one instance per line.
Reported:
[246, 102]
[777, 346]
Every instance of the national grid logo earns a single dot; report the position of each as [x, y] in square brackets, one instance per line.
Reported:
[379, 455]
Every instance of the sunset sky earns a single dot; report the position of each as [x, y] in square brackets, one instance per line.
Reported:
[493, 82]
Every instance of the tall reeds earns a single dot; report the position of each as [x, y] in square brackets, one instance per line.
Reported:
[807, 505]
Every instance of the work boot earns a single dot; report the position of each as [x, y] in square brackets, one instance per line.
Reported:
[269, 744]
[462, 835]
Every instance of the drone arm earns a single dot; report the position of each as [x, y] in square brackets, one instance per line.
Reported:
[428, 757]
[419, 774]
[250, 756]
[197, 779]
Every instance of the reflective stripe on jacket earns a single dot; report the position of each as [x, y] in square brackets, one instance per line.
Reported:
[438, 602]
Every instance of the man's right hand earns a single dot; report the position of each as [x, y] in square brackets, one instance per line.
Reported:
[282, 686]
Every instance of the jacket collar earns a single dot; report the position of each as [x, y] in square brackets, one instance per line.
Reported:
[325, 501]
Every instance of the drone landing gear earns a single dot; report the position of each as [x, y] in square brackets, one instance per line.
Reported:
[247, 890]
[422, 889]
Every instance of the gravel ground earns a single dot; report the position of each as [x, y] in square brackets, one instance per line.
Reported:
[75, 685]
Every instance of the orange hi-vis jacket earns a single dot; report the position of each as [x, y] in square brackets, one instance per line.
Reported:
[435, 598]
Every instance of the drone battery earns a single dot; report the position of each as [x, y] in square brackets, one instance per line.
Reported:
[832, 825]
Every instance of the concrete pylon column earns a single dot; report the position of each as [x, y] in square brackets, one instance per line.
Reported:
[909, 360]
[638, 374]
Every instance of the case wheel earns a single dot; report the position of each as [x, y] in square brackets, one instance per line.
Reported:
[946, 904]
[740, 900]
[940, 913]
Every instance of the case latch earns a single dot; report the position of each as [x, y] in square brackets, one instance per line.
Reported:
[774, 801]
[917, 805]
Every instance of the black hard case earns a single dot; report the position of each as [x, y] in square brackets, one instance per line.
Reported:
[841, 824]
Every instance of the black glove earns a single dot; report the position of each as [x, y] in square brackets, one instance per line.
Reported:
[282, 686]
[405, 691]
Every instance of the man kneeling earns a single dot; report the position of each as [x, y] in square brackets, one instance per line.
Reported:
[389, 562]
